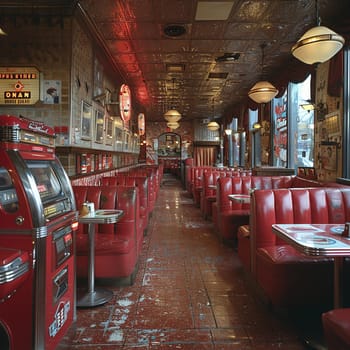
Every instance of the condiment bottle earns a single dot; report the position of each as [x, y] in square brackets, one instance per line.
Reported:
[346, 232]
[84, 210]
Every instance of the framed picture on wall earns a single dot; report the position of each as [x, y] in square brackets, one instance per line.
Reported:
[109, 130]
[86, 112]
[126, 141]
[99, 124]
[118, 133]
[329, 156]
[331, 123]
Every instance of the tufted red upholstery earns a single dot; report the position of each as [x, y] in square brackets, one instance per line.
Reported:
[141, 182]
[226, 224]
[208, 195]
[336, 326]
[117, 246]
[287, 277]
[153, 183]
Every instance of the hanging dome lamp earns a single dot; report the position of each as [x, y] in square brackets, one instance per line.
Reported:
[213, 125]
[318, 44]
[172, 115]
[262, 91]
[172, 125]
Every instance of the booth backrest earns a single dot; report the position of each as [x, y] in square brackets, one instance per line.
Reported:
[141, 182]
[243, 185]
[111, 197]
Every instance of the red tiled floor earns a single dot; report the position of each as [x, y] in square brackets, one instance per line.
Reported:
[190, 293]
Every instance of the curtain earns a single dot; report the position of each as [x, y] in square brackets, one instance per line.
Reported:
[204, 155]
[335, 75]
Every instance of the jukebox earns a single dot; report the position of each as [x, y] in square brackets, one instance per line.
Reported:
[37, 223]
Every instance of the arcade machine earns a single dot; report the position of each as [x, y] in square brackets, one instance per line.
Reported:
[37, 222]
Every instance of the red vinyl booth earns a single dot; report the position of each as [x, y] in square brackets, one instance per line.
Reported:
[336, 326]
[117, 246]
[287, 277]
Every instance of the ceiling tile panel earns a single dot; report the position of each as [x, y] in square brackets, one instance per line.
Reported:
[134, 33]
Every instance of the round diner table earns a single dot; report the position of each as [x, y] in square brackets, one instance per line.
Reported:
[96, 296]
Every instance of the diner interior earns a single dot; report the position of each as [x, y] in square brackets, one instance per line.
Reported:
[174, 174]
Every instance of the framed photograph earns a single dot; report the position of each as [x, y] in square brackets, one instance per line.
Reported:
[329, 156]
[126, 141]
[99, 125]
[52, 89]
[331, 123]
[98, 77]
[86, 111]
[118, 133]
[109, 130]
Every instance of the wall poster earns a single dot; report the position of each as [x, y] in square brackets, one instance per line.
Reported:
[329, 156]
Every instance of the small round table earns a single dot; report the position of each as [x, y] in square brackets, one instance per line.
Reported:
[96, 296]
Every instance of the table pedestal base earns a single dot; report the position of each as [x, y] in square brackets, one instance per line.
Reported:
[98, 297]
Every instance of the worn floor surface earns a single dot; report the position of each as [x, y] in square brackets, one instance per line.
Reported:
[190, 293]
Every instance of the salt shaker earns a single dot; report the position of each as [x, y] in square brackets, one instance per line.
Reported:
[346, 232]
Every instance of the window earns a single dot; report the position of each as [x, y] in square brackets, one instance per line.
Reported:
[280, 131]
[302, 125]
[293, 127]
[346, 125]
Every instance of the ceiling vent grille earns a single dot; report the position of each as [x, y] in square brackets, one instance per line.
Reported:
[174, 30]
[214, 75]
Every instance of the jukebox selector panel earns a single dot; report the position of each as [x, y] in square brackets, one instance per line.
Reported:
[63, 241]
[60, 284]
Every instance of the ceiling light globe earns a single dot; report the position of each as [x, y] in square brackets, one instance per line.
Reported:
[172, 125]
[262, 92]
[317, 45]
[213, 126]
[172, 115]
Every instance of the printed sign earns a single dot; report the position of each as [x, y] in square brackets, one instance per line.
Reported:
[19, 85]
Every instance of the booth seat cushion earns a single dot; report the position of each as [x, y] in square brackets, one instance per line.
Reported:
[289, 277]
[105, 244]
[231, 220]
[336, 326]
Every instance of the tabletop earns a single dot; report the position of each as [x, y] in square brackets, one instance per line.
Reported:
[315, 239]
[102, 216]
[241, 198]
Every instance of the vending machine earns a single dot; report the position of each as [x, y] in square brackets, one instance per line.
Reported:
[38, 219]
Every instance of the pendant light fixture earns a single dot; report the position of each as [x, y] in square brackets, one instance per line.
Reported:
[172, 125]
[213, 126]
[262, 91]
[318, 44]
[172, 115]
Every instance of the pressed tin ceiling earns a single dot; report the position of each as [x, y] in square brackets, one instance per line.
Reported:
[157, 42]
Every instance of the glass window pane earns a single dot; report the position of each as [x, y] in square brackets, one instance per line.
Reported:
[280, 131]
[304, 133]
